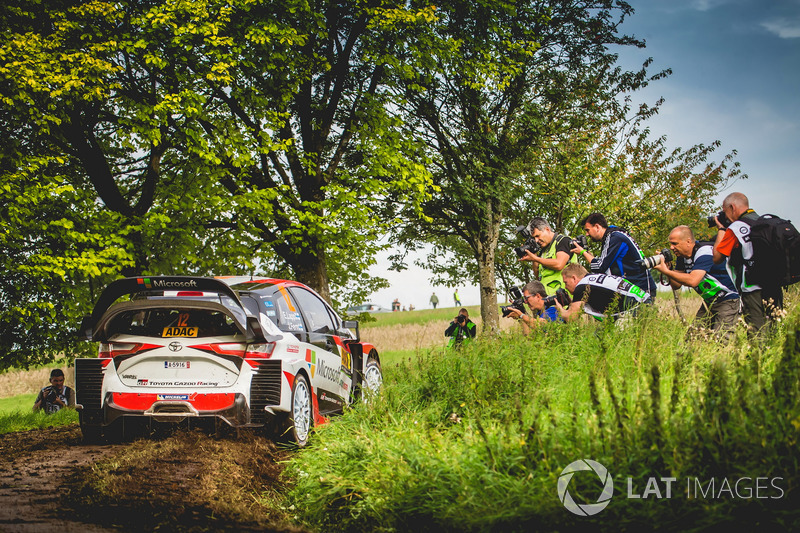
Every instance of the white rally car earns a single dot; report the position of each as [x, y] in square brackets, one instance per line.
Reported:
[260, 353]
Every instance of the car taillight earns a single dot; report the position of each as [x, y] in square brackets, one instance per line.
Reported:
[189, 293]
[110, 350]
[223, 348]
[261, 350]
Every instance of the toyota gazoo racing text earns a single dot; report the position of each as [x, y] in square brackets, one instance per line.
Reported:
[233, 352]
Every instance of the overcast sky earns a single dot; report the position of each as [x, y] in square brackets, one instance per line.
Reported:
[736, 78]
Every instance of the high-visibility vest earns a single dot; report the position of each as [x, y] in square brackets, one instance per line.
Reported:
[551, 279]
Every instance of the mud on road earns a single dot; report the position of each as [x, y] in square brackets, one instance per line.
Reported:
[51, 481]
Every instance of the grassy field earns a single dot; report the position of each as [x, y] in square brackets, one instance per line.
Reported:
[476, 440]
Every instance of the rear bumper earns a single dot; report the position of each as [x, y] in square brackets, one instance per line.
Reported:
[230, 408]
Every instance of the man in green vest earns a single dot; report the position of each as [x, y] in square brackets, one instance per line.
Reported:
[552, 258]
[461, 330]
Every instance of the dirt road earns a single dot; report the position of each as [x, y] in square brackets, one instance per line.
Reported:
[186, 483]
[34, 467]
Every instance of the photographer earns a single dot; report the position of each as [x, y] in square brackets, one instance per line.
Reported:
[461, 329]
[695, 268]
[534, 294]
[620, 255]
[599, 295]
[733, 242]
[55, 396]
[553, 255]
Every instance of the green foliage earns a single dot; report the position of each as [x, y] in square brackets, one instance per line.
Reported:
[193, 138]
[14, 419]
[475, 440]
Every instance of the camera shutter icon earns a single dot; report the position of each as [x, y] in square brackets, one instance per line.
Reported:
[587, 509]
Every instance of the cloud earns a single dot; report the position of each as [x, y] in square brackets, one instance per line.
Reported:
[783, 27]
[707, 5]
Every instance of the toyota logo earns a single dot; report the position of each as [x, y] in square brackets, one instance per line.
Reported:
[175, 346]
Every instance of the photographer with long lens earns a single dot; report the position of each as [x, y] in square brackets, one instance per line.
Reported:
[461, 329]
[55, 396]
[542, 306]
[551, 256]
[620, 255]
[733, 242]
[599, 295]
[695, 268]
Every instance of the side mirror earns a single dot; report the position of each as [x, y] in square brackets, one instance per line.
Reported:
[352, 324]
[85, 330]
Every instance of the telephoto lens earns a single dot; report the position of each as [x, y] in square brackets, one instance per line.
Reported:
[664, 256]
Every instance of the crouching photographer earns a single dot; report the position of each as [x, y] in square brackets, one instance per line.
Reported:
[541, 305]
[547, 250]
[55, 396]
[599, 295]
[695, 268]
[461, 329]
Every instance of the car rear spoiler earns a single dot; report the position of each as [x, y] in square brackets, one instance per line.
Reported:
[152, 284]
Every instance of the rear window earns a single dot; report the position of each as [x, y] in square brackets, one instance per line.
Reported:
[166, 323]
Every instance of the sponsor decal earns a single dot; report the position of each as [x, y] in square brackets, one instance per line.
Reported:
[293, 349]
[128, 376]
[269, 304]
[178, 331]
[150, 283]
[178, 397]
[177, 364]
[331, 374]
[175, 346]
[311, 361]
[332, 399]
[149, 383]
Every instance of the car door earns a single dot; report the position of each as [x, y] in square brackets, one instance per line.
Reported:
[321, 328]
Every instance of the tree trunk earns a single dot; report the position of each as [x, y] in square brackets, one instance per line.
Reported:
[487, 249]
[312, 270]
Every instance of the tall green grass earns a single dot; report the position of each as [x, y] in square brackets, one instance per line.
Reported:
[475, 440]
[22, 420]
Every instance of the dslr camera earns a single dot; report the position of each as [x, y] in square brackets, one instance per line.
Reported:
[722, 220]
[50, 394]
[581, 241]
[461, 320]
[530, 243]
[663, 256]
[561, 296]
[518, 302]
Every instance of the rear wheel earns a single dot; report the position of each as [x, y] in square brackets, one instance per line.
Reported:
[302, 416]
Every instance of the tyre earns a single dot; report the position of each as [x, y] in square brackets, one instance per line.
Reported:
[373, 378]
[301, 417]
[91, 434]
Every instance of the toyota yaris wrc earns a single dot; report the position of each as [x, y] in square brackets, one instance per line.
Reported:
[260, 353]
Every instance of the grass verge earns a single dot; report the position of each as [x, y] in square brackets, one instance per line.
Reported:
[477, 440]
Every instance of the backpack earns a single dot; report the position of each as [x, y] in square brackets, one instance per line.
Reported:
[776, 251]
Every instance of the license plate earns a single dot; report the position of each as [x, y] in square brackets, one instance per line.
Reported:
[178, 331]
[176, 364]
